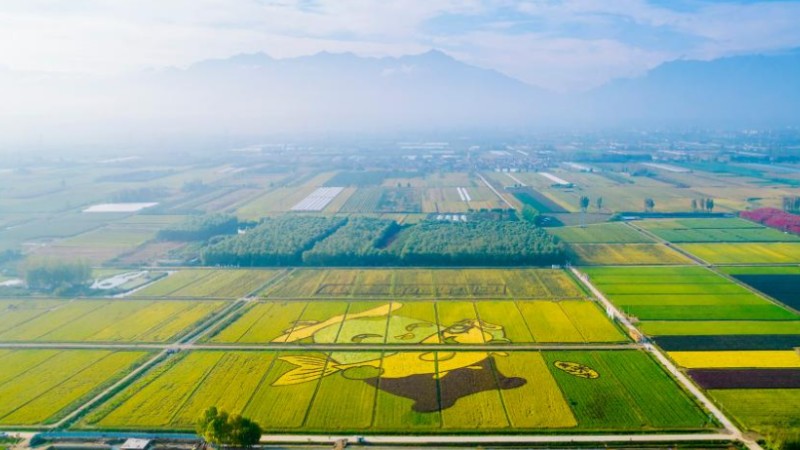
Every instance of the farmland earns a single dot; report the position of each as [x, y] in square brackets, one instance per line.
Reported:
[626, 254]
[762, 410]
[373, 322]
[604, 233]
[490, 396]
[746, 253]
[683, 293]
[42, 386]
[197, 283]
[714, 230]
[426, 283]
[99, 321]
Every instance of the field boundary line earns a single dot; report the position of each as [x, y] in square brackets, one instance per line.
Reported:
[111, 390]
[671, 368]
[331, 347]
[691, 256]
[489, 185]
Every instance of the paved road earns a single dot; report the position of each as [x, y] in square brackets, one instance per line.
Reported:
[496, 439]
[734, 431]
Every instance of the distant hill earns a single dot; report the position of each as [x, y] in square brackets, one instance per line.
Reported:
[254, 94]
[748, 90]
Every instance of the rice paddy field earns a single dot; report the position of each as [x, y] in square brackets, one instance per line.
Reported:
[413, 322]
[746, 252]
[209, 283]
[29, 320]
[626, 255]
[426, 283]
[682, 294]
[602, 233]
[43, 386]
[386, 392]
[714, 230]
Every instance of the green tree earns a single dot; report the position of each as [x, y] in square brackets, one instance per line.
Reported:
[220, 428]
[710, 204]
[55, 275]
[694, 205]
[584, 203]
[599, 203]
[649, 204]
[530, 214]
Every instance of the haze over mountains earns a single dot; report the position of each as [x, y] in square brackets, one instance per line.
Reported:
[255, 94]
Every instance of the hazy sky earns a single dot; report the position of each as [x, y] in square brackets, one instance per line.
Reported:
[564, 45]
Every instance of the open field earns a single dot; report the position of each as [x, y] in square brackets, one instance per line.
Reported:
[99, 320]
[426, 283]
[683, 293]
[42, 386]
[397, 391]
[761, 410]
[779, 282]
[221, 283]
[626, 254]
[98, 246]
[602, 233]
[737, 359]
[703, 327]
[465, 322]
[746, 253]
[714, 230]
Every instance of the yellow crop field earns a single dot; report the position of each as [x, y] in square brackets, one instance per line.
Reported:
[102, 320]
[426, 283]
[550, 409]
[737, 359]
[746, 252]
[627, 254]
[44, 385]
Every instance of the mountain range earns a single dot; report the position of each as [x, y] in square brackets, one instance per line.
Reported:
[254, 93]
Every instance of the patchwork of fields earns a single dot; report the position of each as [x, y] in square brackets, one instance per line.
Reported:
[209, 283]
[426, 283]
[402, 391]
[100, 320]
[427, 322]
[42, 386]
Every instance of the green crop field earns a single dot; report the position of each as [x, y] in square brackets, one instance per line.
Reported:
[761, 410]
[42, 386]
[626, 254]
[99, 320]
[428, 283]
[714, 231]
[746, 253]
[198, 283]
[710, 328]
[474, 391]
[396, 322]
[603, 233]
[682, 293]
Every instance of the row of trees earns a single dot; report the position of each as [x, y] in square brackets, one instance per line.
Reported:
[480, 243]
[279, 241]
[362, 239]
[317, 241]
[200, 228]
[791, 204]
[704, 204]
[55, 275]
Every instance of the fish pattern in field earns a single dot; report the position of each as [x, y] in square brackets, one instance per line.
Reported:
[407, 374]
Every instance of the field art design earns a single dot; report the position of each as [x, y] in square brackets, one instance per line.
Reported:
[426, 283]
[397, 391]
[421, 322]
